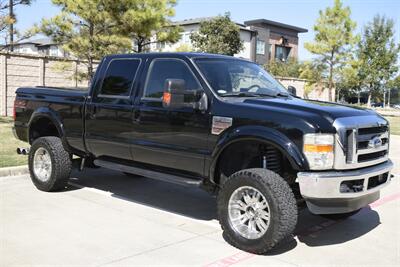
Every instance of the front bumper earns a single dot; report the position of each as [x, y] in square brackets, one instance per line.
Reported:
[325, 192]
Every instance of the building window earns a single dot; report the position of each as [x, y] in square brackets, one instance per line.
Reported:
[185, 38]
[260, 47]
[53, 51]
[269, 51]
[282, 52]
[160, 46]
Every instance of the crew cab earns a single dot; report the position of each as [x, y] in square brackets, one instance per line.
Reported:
[213, 121]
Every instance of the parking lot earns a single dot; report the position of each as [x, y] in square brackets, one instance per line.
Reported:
[107, 218]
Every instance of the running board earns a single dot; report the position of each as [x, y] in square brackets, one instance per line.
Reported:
[148, 173]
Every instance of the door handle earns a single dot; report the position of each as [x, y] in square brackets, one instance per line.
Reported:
[92, 111]
[136, 116]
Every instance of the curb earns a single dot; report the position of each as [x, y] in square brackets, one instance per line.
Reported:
[14, 171]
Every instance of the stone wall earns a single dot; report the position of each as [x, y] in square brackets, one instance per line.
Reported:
[18, 70]
[317, 93]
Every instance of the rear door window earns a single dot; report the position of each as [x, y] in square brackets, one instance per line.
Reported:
[119, 78]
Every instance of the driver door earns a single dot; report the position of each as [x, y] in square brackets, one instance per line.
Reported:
[171, 138]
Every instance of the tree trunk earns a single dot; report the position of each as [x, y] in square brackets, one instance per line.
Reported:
[389, 98]
[330, 86]
[337, 95]
[90, 70]
[384, 98]
[11, 15]
[358, 96]
[369, 100]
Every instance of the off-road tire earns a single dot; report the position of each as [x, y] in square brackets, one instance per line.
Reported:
[339, 216]
[281, 200]
[60, 161]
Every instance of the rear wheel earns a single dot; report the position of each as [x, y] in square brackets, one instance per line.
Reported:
[49, 164]
[256, 210]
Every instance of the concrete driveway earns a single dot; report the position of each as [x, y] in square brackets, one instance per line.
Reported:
[108, 219]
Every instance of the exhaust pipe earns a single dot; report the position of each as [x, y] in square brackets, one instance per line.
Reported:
[22, 151]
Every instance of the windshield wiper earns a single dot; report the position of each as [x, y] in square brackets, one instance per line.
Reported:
[246, 94]
[282, 94]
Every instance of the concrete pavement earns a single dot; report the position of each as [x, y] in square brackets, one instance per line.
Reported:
[108, 219]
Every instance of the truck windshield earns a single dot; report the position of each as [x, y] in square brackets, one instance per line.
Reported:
[233, 77]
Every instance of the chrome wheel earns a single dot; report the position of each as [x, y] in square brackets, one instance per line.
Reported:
[249, 212]
[42, 164]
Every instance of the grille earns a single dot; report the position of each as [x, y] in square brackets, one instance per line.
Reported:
[361, 141]
[367, 144]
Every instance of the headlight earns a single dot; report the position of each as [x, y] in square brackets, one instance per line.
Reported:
[319, 150]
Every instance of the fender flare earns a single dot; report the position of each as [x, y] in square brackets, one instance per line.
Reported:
[261, 134]
[50, 114]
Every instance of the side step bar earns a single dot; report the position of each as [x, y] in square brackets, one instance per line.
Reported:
[148, 173]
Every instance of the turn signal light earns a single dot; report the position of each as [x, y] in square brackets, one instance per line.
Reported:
[318, 148]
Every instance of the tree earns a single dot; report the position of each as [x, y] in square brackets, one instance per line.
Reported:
[334, 36]
[314, 73]
[8, 19]
[183, 48]
[349, 82]
[378, 54]
[145, 21]
[219, 36]
[394, 90]
[86, 30]
[290, 68]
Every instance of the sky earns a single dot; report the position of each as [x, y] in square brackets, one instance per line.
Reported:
[301, 13]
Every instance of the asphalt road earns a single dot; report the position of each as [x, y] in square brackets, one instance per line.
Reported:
[106, 218]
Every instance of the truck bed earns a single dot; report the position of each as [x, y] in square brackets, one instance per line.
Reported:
[66, 103]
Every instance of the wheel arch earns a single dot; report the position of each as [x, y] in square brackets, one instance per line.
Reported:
[46, 117]
[261, 135]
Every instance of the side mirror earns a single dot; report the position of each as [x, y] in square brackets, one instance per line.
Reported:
[292, 90]
[174, 93]
[176, 96]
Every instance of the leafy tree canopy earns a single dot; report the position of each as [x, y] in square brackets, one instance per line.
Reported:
[7, 19]
[378, 54]
[86, 30]
[290, 68]
[219, 35]
[333, 39]
[145, 21]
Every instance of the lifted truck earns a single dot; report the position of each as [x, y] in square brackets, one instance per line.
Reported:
[214, 121]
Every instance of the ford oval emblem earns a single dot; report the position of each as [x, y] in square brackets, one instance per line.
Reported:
[375, 142]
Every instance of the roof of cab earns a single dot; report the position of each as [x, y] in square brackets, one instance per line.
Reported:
[170, 54]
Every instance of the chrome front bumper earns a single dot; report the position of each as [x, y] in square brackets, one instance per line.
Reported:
[322, 190]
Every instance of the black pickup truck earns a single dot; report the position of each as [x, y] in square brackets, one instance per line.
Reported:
[213, 121]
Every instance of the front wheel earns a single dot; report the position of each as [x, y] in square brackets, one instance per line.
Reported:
[49, 164]
[256, 209]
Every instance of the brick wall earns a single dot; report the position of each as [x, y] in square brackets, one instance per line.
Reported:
[18, 70]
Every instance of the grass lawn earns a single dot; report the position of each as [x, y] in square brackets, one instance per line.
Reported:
[9, 144]
[394, 124]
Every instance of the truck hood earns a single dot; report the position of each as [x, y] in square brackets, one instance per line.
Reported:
[330, 111]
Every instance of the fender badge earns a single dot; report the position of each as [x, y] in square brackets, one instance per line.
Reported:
[219, 124]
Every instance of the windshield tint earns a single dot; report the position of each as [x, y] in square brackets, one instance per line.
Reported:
[232, 76]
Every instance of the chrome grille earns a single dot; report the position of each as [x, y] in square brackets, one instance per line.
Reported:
[361, 141]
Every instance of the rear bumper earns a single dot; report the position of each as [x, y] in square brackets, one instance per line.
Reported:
[333, 192]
